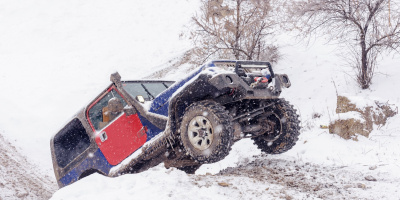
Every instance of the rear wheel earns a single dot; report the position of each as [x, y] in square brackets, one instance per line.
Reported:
[206, 131]
[281, 126]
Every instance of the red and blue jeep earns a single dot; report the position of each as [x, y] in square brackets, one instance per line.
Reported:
[134, 125]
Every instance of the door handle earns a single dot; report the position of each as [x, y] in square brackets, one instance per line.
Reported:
[103, 136]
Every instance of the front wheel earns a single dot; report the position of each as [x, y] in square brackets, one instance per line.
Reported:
[206, 131]
[283, 129]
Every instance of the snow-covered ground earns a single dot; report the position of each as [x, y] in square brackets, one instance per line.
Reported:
[55, 56]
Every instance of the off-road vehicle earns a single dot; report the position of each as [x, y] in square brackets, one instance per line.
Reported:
[134, 125]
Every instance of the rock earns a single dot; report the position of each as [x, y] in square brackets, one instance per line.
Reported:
[22, 195]
[348, 186]
[317, 188]
[223, 184]
[370, 178]
[373, 167]
[288, 197]
[324, 127]
[361, 185]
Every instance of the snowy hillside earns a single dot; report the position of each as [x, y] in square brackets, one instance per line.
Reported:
[55, 56]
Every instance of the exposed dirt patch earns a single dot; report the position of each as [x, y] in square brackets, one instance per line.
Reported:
[349, 128]
[19, 179]
[286, 179]
[303, 177]
[377, 114]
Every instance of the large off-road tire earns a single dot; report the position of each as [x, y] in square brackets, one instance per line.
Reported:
[285, 127]
[206, 131]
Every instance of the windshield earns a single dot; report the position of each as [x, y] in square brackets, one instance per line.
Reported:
[149, 90]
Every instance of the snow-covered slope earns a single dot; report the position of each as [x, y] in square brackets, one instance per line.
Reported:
[57, 55]
[19, 178]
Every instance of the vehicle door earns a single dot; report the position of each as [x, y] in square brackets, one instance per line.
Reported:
[116, 133]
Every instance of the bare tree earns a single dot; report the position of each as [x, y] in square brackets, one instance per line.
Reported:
[234, 29]
[366, 27]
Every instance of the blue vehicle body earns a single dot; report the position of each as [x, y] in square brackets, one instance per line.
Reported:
[160, 104]
[155, 126]
[97, 161]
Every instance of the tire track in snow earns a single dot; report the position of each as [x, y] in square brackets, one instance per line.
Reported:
[19, 179]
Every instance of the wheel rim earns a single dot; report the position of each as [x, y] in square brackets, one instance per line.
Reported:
[200, 132]
[277, 128]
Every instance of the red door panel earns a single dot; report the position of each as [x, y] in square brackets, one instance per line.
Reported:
[121, 138]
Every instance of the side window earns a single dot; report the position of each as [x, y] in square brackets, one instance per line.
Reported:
[107, 109]
[71, 141]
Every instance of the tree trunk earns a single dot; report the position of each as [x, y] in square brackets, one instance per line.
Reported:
[364, 78]
[237, 36]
